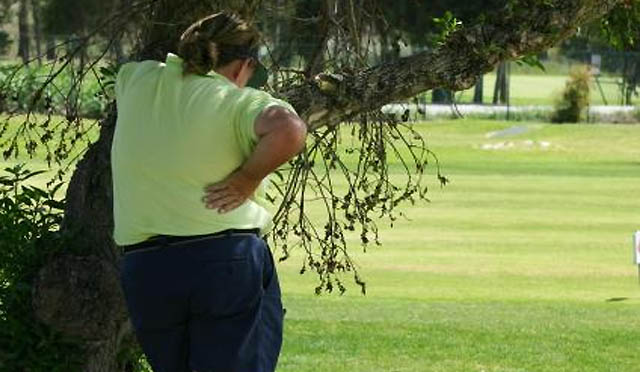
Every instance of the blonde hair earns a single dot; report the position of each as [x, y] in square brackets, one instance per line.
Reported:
[203, 44]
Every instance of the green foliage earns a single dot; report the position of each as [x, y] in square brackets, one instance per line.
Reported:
[134, 359]
[447, 24]
[621, 27]
[531, 60]
[23, 90]
[30, 218]
[575, 97]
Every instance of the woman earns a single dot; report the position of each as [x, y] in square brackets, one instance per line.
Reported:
[191, 149]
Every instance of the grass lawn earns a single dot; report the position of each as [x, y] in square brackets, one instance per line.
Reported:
[38, 161]
[512, 267]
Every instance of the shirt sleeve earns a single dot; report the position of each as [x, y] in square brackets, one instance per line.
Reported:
[252, 103]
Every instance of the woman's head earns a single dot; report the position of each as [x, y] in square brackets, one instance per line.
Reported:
[217, 41]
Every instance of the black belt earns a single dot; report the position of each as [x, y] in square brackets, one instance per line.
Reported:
[163, 240]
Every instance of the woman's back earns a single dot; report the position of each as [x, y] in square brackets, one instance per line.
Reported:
[174, 135]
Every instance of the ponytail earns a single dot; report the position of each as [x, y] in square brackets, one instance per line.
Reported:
[202, 45]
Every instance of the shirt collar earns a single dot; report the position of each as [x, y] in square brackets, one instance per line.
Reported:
[173, 59]
[176, 60]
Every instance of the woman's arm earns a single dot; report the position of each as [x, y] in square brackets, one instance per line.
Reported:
[281, 135]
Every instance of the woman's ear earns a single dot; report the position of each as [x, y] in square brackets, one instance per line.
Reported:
[237, 69]
[248, 65]
[244, 66]
[244, 72]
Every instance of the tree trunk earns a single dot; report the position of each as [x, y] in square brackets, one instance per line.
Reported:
[24, 38]
[478, 93]
[635, 80]
[92, 310]
[81, 296]
[499, 96]
[631, 81]
[51, 47]
[37, 28]
[506, 89]
[117, 50]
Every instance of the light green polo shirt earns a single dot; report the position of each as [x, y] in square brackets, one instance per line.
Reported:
[174, 135]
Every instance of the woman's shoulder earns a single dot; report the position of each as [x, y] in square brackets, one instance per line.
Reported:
[141, 64]
[262, 98]
[130, 68]
[129, 72]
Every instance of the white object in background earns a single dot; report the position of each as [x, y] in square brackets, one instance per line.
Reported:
[596, 63]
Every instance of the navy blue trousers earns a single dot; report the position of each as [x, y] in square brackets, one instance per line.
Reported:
[209, 305]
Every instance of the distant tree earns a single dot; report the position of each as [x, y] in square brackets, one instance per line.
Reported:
[478, 92]
[622, 29]
[37, 27]
[615, 39]
[117, 38]
[501, 89]
[24, 37]
[73, 20]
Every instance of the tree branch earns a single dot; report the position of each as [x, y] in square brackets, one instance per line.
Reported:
[521, 28]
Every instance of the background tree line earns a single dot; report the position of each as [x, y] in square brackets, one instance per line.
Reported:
[293, 29]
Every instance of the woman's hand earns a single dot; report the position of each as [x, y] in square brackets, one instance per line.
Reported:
[232, 192]
[281, 135]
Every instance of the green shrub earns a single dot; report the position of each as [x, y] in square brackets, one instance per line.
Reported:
[19, 85]
[29, 223]
[575, 97]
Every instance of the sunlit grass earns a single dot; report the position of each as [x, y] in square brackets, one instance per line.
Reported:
[509, 268]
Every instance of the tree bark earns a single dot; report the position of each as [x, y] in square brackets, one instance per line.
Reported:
[67, 288]
[92, 284]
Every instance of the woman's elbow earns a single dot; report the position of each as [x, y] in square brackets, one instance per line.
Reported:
[284, 127]
[298, 134]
